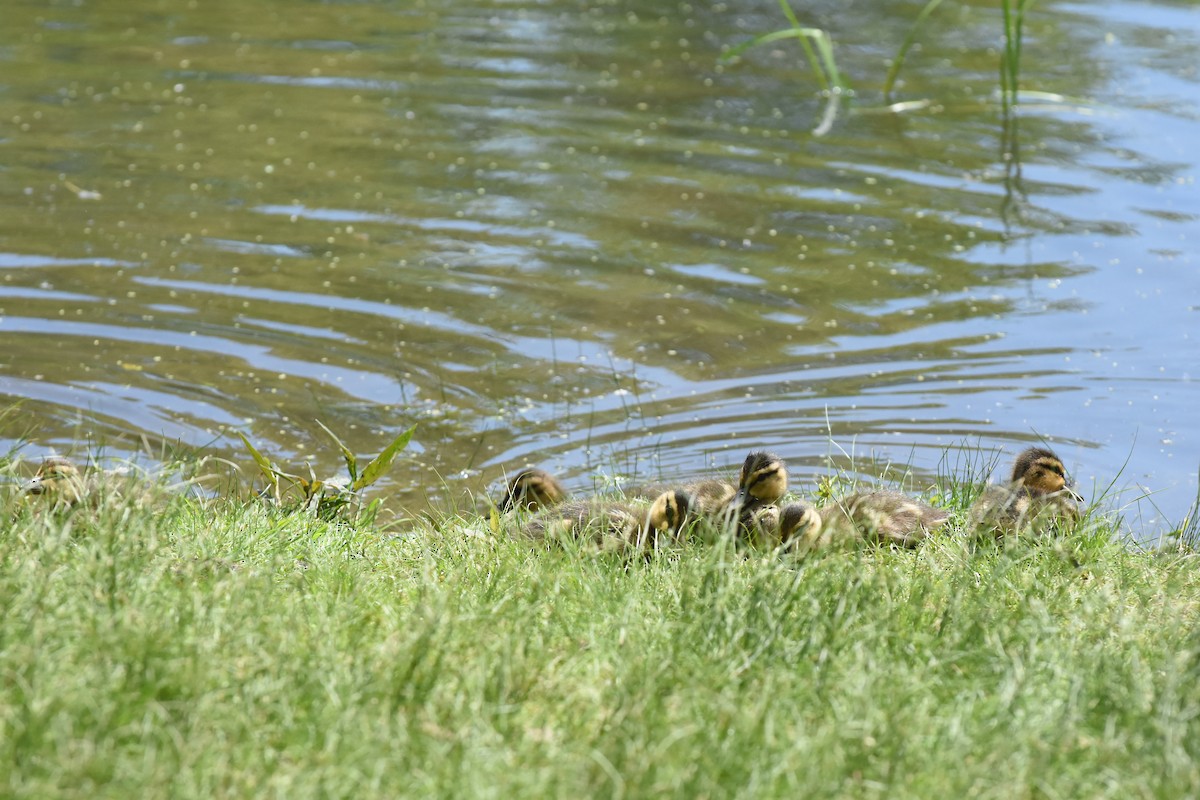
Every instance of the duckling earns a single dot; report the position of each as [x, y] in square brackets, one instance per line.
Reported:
[706, 498]
[883, 517]
[613, 524]
[1037, 498]
[59, 482]
[60, 485]
[530, 490]
[761, 527]
[762, 481]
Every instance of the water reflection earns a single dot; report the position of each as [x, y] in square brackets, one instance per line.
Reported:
[572, 236]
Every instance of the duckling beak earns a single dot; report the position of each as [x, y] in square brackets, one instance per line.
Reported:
[34, 486]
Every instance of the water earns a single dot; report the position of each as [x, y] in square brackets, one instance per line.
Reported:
[569, 234]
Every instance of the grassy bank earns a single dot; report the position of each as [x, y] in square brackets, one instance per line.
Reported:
[192, 651]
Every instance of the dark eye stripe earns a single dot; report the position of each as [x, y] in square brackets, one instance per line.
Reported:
[762, 474]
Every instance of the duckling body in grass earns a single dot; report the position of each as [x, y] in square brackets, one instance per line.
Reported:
[531, 489]
[613, 525]
[59, 483]
[1038, 498]
[884, 517]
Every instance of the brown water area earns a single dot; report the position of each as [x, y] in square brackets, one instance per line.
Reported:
[570, 234]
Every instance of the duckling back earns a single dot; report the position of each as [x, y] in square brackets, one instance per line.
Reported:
[582, 520]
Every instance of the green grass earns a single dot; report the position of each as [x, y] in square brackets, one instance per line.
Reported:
[218, 650]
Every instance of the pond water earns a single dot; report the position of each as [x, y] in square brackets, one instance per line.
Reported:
[570, 234]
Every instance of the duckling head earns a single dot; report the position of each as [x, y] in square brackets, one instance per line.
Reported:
[763, 481]
[59, 480]
[668, 512]
[531, 489]
[1041, 472]
[798, 521]
[761, 526]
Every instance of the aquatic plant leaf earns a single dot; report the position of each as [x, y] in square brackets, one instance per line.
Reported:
[351, 459]
[263, 464]
[380, 464]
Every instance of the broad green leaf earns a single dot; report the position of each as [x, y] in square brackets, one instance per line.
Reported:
[383, 461]
[351, 459]
[262, 462]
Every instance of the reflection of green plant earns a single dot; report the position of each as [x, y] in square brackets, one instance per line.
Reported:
[821, 60]
[890, 81]
[1010, 60]
[329, 498]
[818, 47]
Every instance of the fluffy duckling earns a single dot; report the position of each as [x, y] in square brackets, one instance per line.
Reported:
[706, 498]
[59, 485]
[59, 482]
[761, 527]
[613, 525]
[883, 517]
[762, 481]
[530, 490]
[1037, 497]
